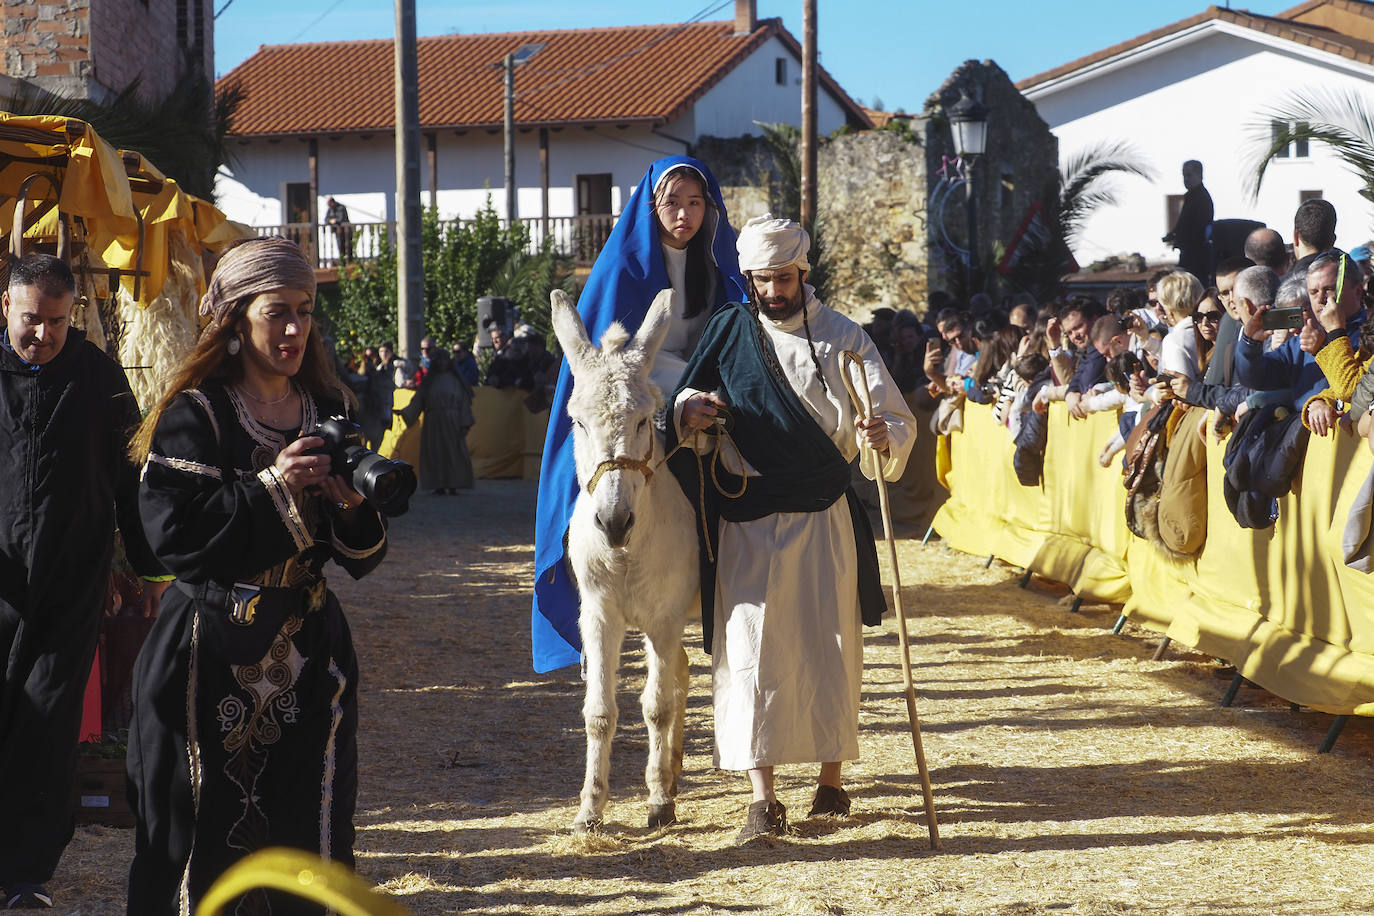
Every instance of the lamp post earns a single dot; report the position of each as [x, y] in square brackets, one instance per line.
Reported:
[968, 120]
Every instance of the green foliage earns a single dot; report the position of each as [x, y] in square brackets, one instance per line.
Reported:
[1342, 120]
[784, 142]
[461, 262]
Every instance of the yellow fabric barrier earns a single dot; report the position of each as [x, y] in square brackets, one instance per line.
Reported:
[1279, 604]
[402, 440]
[505, 441]
[1072, 529]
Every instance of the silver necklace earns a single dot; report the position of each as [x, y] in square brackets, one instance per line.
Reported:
[290, 390]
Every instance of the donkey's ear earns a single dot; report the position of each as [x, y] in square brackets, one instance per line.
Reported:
[568, 326]
[655, 327]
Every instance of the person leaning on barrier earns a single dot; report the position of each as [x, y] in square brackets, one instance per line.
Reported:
[1068, 333]
[1253, 287]
[1337, 309]
[1343, 362]
[69, 413]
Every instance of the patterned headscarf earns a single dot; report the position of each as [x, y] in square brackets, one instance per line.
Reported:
[253, 267]
[766, 243]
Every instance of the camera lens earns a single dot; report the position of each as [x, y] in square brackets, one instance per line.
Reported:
[385, 483]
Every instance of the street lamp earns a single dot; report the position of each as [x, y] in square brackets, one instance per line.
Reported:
[968, 120]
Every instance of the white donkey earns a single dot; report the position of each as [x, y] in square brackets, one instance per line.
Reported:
[633, 548]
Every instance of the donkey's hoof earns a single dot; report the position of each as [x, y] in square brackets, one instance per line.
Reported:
[585, 826]
[662, 815]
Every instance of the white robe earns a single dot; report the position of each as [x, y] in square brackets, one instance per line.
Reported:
[787, 653]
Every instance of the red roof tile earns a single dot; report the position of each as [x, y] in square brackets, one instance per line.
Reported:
[583, 76]
[1343, 27]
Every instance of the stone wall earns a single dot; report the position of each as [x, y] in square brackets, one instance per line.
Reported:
[96, 48]
[1019, 169]
[871, 222]
[877, 241]
[751, 183]
[48, 43]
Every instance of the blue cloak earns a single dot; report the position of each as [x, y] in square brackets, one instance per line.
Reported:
[628, 273]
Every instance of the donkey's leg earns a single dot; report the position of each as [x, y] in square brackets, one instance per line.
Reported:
[679, 717]
[660, 701]
[601, 641]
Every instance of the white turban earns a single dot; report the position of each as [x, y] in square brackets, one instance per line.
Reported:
[766, 243]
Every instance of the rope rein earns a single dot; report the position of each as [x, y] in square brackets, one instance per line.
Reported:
[719, 430]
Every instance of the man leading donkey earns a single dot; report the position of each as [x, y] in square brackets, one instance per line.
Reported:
[791, 569]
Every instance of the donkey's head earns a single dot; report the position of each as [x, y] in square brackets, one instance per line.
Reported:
[612, 409]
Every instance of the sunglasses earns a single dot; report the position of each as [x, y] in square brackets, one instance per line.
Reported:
[1209, 317]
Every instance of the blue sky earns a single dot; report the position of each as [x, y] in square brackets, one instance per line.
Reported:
[898, 51]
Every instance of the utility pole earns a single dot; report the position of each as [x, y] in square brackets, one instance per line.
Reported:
[808, 131]
[410, 286]
[509, 65]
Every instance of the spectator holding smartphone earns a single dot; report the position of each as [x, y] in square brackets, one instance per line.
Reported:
[1334, 287]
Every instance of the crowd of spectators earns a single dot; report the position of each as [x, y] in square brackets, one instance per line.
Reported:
[1265, 348]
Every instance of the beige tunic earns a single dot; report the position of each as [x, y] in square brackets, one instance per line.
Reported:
[787, 654]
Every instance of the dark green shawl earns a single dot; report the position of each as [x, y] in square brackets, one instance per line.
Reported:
[800, 469]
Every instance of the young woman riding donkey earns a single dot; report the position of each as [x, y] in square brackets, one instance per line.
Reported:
[631, 546]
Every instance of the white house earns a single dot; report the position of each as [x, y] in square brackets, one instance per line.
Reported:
[1200, 89]
[592, 109]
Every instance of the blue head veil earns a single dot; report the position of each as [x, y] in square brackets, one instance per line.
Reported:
[628, 273]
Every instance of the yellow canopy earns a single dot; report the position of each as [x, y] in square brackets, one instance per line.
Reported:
[114, 193]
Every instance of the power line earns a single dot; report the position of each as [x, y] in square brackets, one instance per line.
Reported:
[316, 21]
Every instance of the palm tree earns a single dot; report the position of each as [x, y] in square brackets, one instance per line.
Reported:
[1083, 188]
[1340, 119]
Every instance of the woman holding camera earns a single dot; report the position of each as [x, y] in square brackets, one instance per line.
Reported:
[245, 694]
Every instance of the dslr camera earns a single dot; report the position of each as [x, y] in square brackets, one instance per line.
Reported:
[384, 482]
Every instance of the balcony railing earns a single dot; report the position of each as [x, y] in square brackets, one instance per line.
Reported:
[577, 237]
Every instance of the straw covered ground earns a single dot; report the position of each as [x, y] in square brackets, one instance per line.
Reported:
[1072, 773]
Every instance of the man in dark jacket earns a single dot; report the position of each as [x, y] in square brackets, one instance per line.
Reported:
[1189, 234]
[67, 416]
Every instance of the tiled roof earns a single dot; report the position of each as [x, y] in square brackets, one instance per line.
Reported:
[1342, 27]
[583, 76]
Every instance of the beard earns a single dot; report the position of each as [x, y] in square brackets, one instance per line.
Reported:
[778, 308]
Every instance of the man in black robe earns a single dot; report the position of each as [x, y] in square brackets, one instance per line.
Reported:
[67, 415]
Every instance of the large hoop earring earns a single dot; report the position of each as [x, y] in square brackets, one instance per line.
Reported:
[233, 346]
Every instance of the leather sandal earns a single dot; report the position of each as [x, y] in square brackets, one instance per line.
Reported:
[830, 800]
[766, 818]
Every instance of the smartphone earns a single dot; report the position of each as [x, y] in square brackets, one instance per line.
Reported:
[1278, 319]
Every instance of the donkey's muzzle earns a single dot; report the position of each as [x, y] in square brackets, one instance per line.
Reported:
[616, 525]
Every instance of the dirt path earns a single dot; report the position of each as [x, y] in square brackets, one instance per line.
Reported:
[1072, 774]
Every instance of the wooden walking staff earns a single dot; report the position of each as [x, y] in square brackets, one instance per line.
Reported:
[863, 405]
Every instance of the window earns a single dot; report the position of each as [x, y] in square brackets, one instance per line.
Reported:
[780, 71]
[1298, 149]
[1305, 196]
[1173, 206]
[594, 194]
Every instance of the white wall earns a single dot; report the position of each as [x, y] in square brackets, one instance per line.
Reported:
[360, 172]
[1203, 100]
[750, 94]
